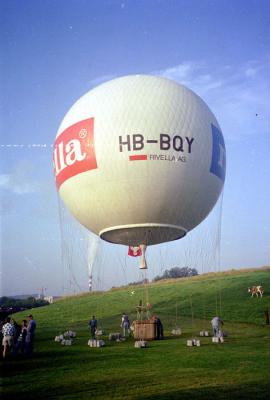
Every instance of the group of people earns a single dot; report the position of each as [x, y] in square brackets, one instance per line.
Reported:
[21, 340]
[126, 326]
[216, 323]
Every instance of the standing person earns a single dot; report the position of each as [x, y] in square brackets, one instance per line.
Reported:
[159, 326]
[20, 344]
[30, 335]
[216, 322]
[93, 327]
[125, 324]
[8, 332]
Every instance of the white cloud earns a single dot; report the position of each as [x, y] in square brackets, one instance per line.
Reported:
[20, 180]
[250, 72]
[9, 183]
[4, 181]
[181, 72]
[99, 80]
[239, 96]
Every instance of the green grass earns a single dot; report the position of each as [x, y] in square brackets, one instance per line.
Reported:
[168, 369]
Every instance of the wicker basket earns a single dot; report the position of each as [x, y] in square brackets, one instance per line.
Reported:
[144, 330]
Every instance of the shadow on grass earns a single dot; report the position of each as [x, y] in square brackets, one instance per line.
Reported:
[251, 391]
[236, 392]
[47, 360]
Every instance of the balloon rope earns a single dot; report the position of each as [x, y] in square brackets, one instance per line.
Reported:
[146, 303]
[218, 255]
[192, 313]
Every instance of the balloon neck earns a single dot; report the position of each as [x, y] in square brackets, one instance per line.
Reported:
[143, 263]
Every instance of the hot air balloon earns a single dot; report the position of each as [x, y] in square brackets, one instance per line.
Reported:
[139, 160]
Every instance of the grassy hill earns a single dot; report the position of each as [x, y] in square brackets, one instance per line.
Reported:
[167, 369]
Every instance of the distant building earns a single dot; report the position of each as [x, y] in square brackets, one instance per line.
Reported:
[49, 299]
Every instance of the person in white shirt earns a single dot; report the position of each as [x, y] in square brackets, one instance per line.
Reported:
[8, 332]
[216, 322]
[125, 324]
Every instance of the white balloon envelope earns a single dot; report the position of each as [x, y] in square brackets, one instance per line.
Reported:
[139, 160]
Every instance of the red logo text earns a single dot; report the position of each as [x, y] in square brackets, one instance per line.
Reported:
[74, 151]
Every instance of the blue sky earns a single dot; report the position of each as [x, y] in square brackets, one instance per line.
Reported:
[54, 51]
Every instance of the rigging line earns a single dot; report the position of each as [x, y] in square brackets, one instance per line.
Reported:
[217, 261]
[75, 282]
[70, 255]
[147, 295]
[120, 260]
[161, 262]
[204, 311]
[201, 254]
[67, 251]
[192, 314]
[217, 249]
[60, 215]
[176, 315]
[218, 253]
[216, 297]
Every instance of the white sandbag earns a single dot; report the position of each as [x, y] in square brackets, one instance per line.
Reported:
[204, 333]
[141, 344]
[193, 342]
[66, 342]
[114, 336]
[177, 332]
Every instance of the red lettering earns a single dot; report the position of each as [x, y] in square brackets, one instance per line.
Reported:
[74, 151]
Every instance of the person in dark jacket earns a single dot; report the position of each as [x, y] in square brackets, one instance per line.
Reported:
[159, 326]
[20, 344]
[93, 327]
[30, 335]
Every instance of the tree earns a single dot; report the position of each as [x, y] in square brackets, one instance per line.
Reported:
[177, 272]
[30, 302]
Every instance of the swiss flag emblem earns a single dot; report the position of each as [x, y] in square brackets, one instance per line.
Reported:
[74, 151]
[134, 251]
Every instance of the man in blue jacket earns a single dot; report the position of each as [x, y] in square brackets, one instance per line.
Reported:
[93, 326]
[30, 335]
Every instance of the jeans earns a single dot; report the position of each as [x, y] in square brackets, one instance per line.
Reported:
[216, 330]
